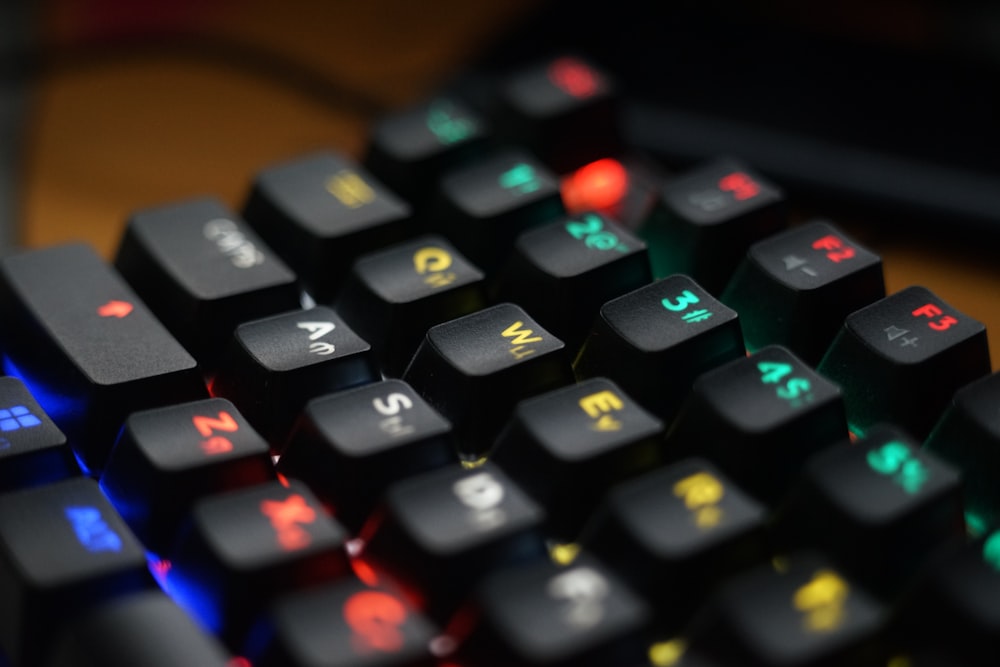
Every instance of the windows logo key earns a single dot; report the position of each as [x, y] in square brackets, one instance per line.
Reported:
[17, 417]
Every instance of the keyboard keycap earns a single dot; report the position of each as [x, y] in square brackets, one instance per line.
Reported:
[351, 445]
[795, 288]
[708, 217]
[33, 450]
[274, 365]
[568, 446]
[63, 550]
[476, 368]
[393, 296]
[87, 347]
[759, 419]
[319, 212]
[657, 339]
[167, 458]
[202, 270]
[908, 341]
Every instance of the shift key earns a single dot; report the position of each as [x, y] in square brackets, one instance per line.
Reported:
[88, 348]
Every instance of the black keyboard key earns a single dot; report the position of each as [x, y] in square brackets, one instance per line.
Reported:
[656, 340]
[393, 296]
[245, 547]
[274, 365]
[968, 437]
[483, 206]
[343, 624]
[901, 359]
[674, 533]
[321, 211]
[410, 149]
[167, 458]
[546, 615]
[880, 506]
[564, 272]
[795, 288]
[63, 549]
[87, 347]
[350, 446]
[806, 614]
[202, 270]
[476, 368]
[33, 450]
[708, 217]
[549, 106]
[439, 533]
[146, 629]
[568, 446]
[760, 418]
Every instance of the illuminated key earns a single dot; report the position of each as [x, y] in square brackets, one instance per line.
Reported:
[805, 614]
[202, 270]
[563, 272]
[321, 211]
[247, 546]
[441, 532]
[167, 458]
[410, 149]
[64, 550]
[880, 506]
[657, 339]
[759, 419]
[550, 105]
[911, 339]
[474, 369]
[351, 445]
[484, 205]
[392, 296]
[674, 533]
[547, 615]
[568, 446]
[145, 629]
[87, 348]
[274, 365]
[708, 217]
[796, 288]
[343, 623]
[32, 448]
[968, 437]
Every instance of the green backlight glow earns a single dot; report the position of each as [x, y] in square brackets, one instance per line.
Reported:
[975, 525]
[894, 459]
[521, 177]
[448, 128]
[991, 551]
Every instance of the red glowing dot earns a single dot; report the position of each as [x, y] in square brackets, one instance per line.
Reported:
[597, 186]
[574, 77]
[365, 572]
[239, 661]
[375, 618]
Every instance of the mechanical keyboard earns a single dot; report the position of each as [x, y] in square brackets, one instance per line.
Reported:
[502, 392]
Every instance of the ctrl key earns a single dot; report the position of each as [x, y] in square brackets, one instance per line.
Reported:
[63, 549]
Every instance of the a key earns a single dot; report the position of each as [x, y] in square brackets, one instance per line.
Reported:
[474, 369]
[64, 550]
[33, 450]
[274, 365]
[795, 288]
[564, 272]
[909, 339]
[484, 205]
[657, 339]
[568, 446]
[145, 629]
[202, 270]
[86, 346]
[167, 458]
[319, 212]
[759, 419]
[392, 296]
[708, 217]
[351, 445]
[674, 533]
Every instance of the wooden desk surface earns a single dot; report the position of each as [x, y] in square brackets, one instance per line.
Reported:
[129, 132]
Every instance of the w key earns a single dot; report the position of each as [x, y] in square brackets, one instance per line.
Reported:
[86, 346]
